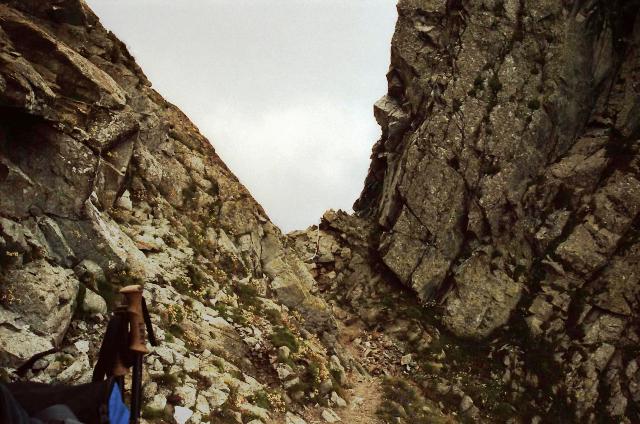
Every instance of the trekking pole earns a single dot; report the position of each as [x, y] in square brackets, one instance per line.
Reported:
[137, 345]
[119, 368]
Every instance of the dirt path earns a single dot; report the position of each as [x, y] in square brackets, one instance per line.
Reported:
[365, 394]
[365, 399]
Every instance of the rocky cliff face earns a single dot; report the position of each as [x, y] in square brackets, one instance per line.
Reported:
[102, 184]
[506, 185]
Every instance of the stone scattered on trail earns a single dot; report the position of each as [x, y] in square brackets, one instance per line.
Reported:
[465, 404]
[157, 403]
[330, 416]
[82, 346]
[337, 400]
[94, 303]
[181, 414]
[187, 395]
[406, 359]
[293, 419]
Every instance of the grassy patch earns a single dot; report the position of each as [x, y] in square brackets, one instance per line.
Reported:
[403, 403]
[261, 399]
[230, 313]
[156, 414]
[168, 380]
[273, 316]
[247, 295]
[282, 336]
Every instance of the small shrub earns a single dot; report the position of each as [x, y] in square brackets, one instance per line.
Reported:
[7, 295]
[176, 330]
[175, 314]
[261, 399]
[155, 414]
[533, 104]
[168, 380]
[190, 193]
[273, 316]
[230, 313]
[247, 294]
[198, 280]
[494, 84]
[282, 336]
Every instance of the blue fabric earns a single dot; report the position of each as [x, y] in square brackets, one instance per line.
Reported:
[118, 411]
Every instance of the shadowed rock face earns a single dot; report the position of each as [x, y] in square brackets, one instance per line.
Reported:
[506, 184]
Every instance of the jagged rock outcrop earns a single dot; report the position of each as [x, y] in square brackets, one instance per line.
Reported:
[506, 184]
[493, 260]
[102, 184]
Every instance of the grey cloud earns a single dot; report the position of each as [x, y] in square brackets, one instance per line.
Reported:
[283, 88]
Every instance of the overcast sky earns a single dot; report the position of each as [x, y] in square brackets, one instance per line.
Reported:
[283, 89]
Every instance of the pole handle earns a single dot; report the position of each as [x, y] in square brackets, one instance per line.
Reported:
[137, 340]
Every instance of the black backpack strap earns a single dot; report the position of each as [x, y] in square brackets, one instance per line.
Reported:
[115, 344]
[147, 323]
[22, 369]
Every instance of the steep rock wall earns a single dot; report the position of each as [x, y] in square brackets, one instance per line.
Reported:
[103, 183]
[506, 184]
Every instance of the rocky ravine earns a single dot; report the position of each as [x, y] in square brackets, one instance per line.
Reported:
[490, 273]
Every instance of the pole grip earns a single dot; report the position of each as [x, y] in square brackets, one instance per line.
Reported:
[137, 340]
